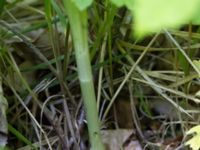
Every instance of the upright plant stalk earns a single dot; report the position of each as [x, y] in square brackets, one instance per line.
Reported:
[78, 24]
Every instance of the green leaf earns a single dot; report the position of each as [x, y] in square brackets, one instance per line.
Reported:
[154, 15]
[195, 140]
[82, 4]
[19, 135]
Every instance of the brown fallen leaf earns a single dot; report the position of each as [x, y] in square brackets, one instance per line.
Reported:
[115, 139]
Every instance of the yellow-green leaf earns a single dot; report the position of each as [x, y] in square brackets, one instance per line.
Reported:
[194, 142]
[153, 15]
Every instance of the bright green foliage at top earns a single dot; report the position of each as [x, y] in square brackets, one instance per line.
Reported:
[195, 140]
[82, 4]
[153, 15]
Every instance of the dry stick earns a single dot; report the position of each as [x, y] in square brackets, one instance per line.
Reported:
[128, 76]
[58, 130]
[102, 55]
[68, 116]
[179, 93]
[189, 97]
[154, 85]
[134, 112]
[43, 58]
[182, 51]
[159, 90]
[153, 49]
[37, 89]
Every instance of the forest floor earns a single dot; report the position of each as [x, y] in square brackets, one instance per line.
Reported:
[155, 107]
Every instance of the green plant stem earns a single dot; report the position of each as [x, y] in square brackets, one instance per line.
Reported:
[78, 24]
[19, 135]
